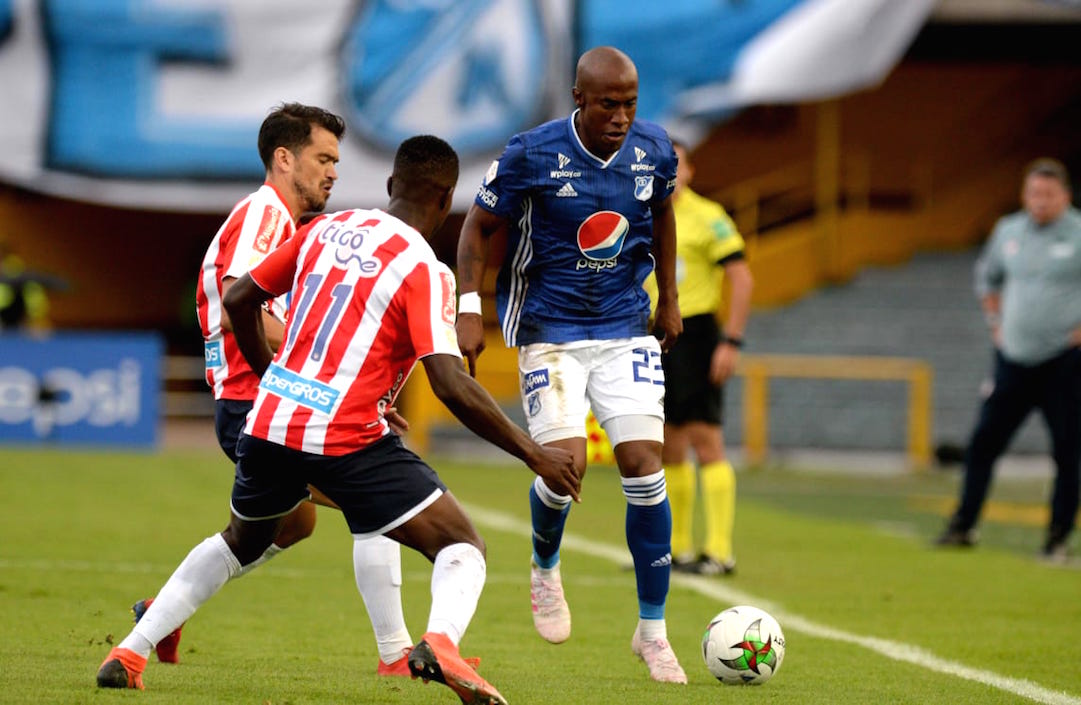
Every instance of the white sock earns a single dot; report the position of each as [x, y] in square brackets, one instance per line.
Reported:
[457, 581]
[271, 551]
[201, 574]
[377, 565]
[652, 629]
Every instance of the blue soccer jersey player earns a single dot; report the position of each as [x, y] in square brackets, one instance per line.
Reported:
[585, 204]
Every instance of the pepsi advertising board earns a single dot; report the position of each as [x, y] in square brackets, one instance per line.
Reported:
[86, 389]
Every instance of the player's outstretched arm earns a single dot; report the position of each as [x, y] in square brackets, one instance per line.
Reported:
[473, 244]
[474, 406]
[244, 303]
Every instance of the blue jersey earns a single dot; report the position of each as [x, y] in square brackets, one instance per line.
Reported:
[581, 232]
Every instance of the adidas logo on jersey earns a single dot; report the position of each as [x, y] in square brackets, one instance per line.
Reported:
[566, 191]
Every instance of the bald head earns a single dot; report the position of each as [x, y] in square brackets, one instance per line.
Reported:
[603, 65]
[606, 93]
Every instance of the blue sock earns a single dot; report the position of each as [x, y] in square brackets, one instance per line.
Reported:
[549, 512]
[649, 538]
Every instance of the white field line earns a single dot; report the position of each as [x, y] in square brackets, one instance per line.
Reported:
[619, 555]
[894, 650]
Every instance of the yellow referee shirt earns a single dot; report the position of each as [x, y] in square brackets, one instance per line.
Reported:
[705, 235]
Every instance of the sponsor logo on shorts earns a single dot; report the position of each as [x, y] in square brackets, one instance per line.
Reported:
[214, 354]
[307, 392]
[534, 380]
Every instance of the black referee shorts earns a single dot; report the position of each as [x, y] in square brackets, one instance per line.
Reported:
[688, 393]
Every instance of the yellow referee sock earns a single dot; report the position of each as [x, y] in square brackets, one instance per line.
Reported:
[719, 501]
[679, 479]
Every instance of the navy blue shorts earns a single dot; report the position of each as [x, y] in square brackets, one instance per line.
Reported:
[378, 487]
[229, 418]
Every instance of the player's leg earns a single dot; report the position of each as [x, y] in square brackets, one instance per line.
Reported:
[686, 374]
[445, 534]
[718, 481]
[553, 396]
[229, 416]
[262, 495]
[626, 389]
[682, 487]
[387, 490]
[377, 566]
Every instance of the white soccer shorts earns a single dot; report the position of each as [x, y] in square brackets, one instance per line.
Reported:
[620, 379]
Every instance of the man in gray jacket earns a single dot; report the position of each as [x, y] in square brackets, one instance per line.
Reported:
[1029, 281]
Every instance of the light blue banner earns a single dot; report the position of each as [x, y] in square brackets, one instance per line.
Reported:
[86, 389]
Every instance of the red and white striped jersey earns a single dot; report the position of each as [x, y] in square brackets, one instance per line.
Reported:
[257, 225]
[368, 299]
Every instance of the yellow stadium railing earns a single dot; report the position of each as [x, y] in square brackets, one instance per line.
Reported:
[497, 371]
[758, 370]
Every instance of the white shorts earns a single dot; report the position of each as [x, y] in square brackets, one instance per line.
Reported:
[618, 378]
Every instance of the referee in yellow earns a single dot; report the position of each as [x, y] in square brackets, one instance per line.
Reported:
[709, 249]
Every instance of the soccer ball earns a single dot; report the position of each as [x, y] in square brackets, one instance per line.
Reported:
[743, 645]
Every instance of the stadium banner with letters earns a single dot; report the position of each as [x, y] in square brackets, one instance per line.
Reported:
[155, 104]
[86, 389]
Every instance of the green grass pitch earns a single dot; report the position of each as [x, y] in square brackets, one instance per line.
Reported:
[871, 613]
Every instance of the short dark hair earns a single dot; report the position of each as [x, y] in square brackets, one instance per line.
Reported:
[1051, 168]
[289, 125]
[426, 158]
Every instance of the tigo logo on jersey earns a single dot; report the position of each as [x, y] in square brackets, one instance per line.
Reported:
[601, 235]
[349, 243]
[534, 380]
[306, 392]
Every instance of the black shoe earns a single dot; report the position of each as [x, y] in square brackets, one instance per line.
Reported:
[1054, 548]
[684, 564]
[964, 538]
[708, 565]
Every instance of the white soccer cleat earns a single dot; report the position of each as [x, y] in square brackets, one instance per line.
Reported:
[658, 655]
[551, 615]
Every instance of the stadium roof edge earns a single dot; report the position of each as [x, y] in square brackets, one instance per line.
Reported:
[1007, 11]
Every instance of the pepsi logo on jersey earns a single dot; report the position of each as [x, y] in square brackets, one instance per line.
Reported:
[600, 239]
